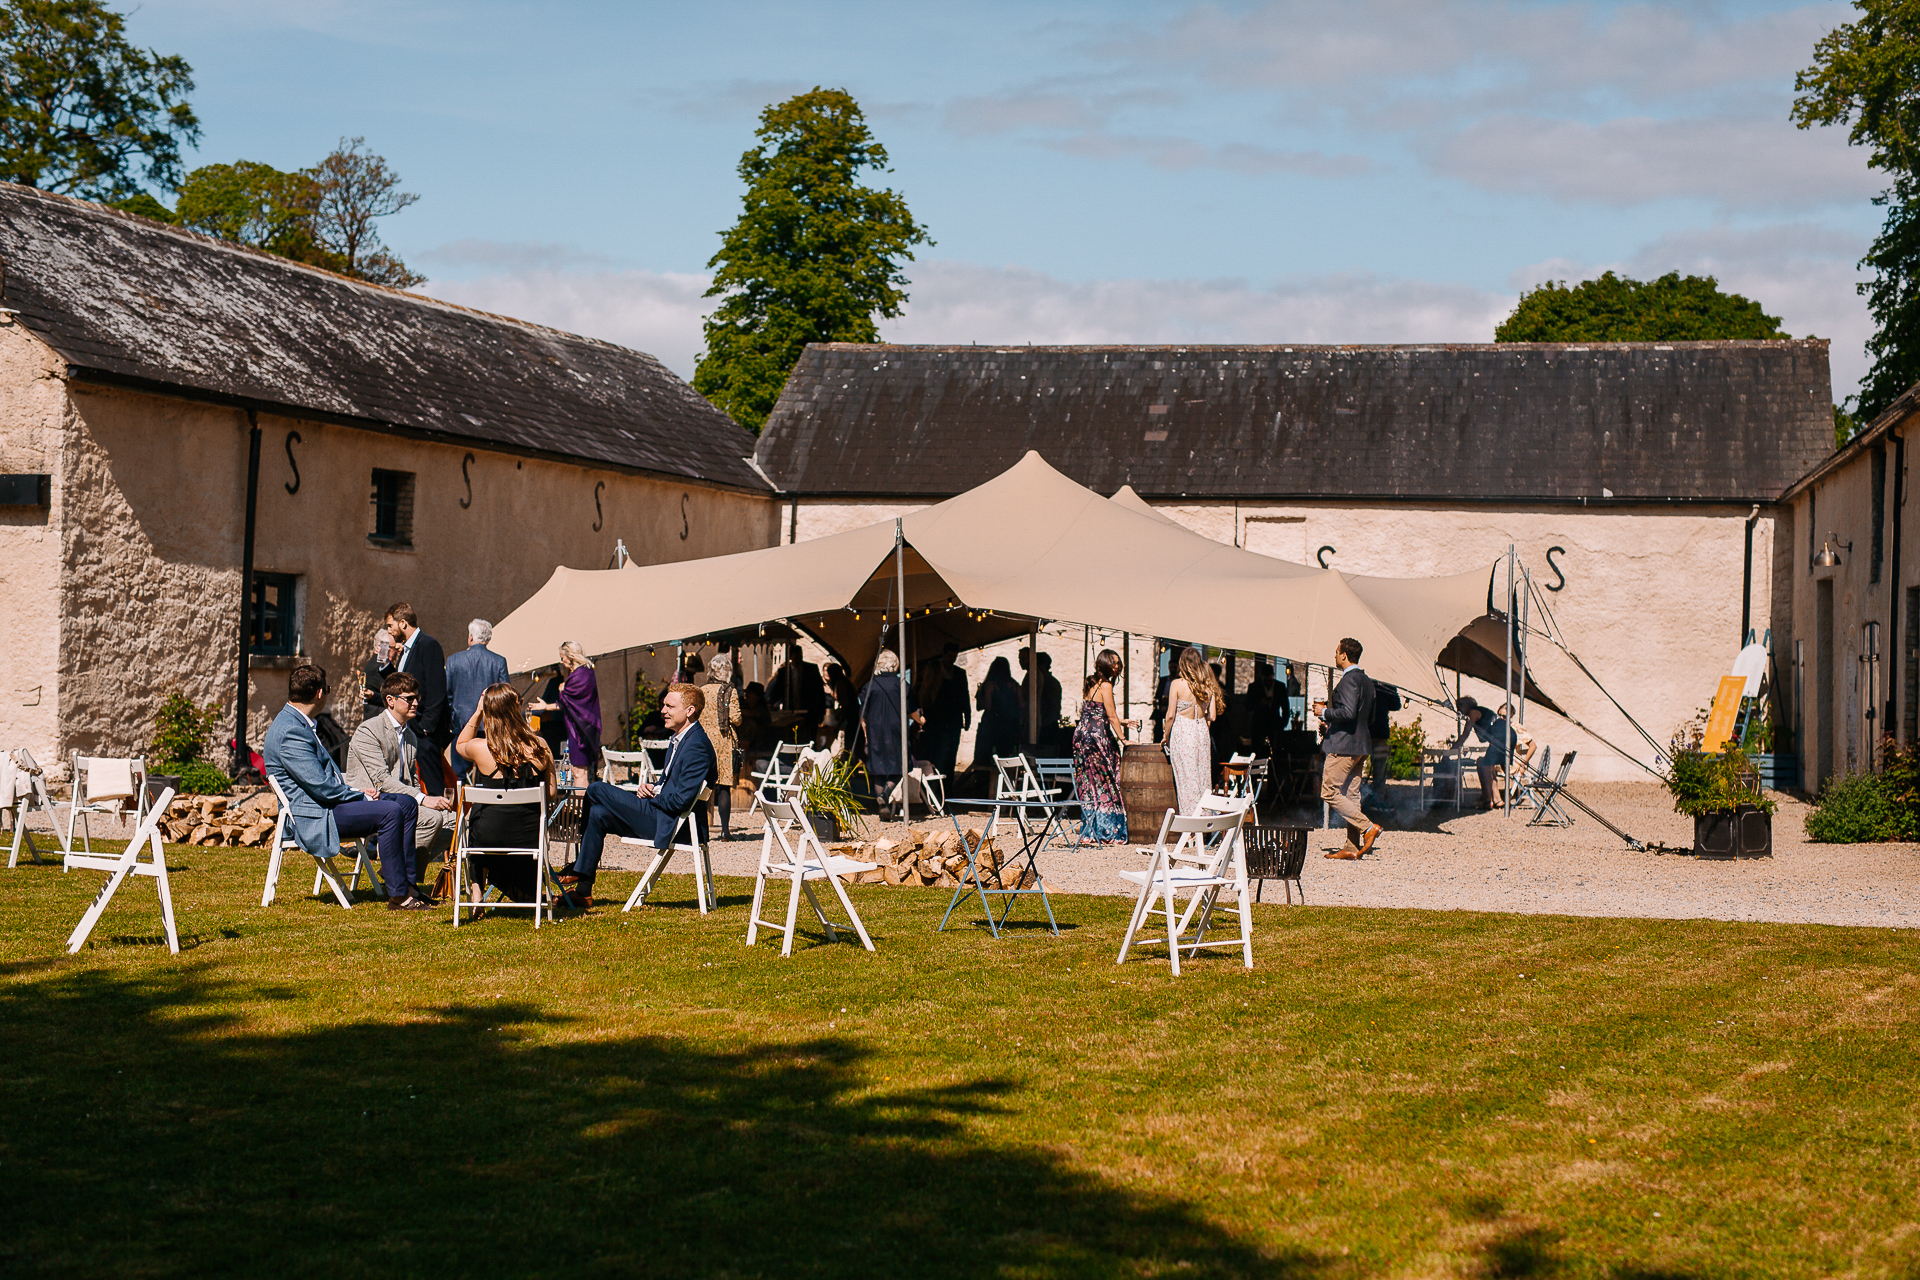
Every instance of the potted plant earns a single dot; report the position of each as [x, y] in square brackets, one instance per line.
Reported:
[1732, 816]
[828, 799]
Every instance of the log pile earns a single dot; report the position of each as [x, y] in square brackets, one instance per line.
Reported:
[934, 858]
[218, 820]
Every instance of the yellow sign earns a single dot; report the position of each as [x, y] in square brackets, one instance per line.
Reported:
[1726, 710]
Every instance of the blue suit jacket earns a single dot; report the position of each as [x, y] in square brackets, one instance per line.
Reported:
[691, 767]
[469, 672]
[300, 764]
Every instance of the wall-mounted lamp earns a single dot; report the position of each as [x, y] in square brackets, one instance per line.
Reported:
[1828, 557]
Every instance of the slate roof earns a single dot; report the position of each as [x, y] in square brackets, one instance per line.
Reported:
[1683, 421]
[133, 302]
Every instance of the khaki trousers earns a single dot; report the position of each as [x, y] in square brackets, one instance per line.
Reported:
[1340, 788]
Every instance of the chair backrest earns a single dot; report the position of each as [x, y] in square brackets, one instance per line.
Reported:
[1057, 770]
[98, 779]
[784, 816]
[1017, 779]
[638, 765]
[532, 797]
[1204, 839]
[283, 836]
[781, 764]
[1240, 758]
[1566, 767]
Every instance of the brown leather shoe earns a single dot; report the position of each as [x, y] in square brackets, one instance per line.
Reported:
[1346, 853]
[568, 877]
[1366, 840]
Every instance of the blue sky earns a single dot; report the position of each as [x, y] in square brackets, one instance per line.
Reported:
[1367, 171]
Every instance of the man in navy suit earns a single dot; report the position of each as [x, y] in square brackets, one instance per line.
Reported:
[420, 656]
[469, 673]
[653, 811]
[323, 807]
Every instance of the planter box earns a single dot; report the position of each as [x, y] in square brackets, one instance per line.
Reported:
[1746, 832]
[826, 827]
[1778, 772]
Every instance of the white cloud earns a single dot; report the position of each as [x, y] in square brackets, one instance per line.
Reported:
[1628, 161]
[658, 312]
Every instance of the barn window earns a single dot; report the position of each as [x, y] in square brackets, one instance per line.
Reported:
[392, 508]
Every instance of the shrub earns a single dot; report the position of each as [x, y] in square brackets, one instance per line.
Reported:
[1404, 748]
[1702, 784]
[180, 731]
[197, 777]
[1871, 806]
[646, 701]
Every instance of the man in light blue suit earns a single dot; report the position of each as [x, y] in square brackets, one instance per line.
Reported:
[323, 807]
[469, 673]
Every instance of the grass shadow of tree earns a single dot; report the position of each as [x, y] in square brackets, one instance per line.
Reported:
[158, 1131]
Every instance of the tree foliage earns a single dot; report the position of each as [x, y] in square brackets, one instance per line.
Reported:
[354, 187]
[1866, 75]
[1674, 308]
[814, 257]
[81, 108]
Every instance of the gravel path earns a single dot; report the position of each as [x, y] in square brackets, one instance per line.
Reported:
[1490, 862]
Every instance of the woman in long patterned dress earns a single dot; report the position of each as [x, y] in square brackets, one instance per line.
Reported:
[1193, 700]
[1096, 756]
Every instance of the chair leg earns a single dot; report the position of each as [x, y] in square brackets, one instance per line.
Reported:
[793, 910]
[1140, 908]
[1173, 935]
[325, 872]
[273, 875]
[654, 870]
[853, 917]
[166, 894]
[459, 866]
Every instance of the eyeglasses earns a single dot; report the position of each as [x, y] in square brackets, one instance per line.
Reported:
[411, 699]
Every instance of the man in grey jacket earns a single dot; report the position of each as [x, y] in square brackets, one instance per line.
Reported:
[1348, 744]
[469, 674]
[383, 757]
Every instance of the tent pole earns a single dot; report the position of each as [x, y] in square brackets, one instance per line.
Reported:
[1507, 689]
[900, 584]
[1526, 618]
[1126, 675]
[1033, 681]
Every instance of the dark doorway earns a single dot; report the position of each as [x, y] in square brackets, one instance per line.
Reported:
[1823, 639]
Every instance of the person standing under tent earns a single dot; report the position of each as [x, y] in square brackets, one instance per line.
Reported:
[942, 697]
[1096, 755]
[880, 720]
[580, 708]
[720, 718]
[1193, 701]
[998, 700]
[1348, 743]
[1492, 730]
[546, 705]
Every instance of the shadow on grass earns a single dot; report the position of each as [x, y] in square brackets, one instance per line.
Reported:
[152, 1133]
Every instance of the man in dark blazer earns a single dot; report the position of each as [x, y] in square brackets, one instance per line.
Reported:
[652, 812]
[1349, 742]
[798, 687]
[469, 674]
[420, 656]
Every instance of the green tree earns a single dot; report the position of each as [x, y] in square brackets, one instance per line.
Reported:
[1674, 308]
[80, 107]
[814, 257]
[255, 204]
[1866, 75]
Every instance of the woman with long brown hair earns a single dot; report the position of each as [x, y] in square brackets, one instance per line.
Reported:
[1193, 700]
[1096, 756]
[510, 755]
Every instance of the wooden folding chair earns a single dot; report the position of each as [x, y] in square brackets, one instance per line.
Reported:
[809, 862]
[103, 784]
[528, 797]
[325, 872]
[127, 864]
[693, 844]
[1207, 856]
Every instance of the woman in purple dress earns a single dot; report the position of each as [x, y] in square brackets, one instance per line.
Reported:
[580, 706]
[1096, 756]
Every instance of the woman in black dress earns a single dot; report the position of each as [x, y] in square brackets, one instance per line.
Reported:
[510, 755]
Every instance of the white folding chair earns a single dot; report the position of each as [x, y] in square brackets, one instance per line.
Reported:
[686, 839]
[638, 766]
[769, 781]
[809, 861]
[324, 871]
[534, 798]
[28, 795]
[127, 864]
[1206, 857]
[103, 784]
[933, 788]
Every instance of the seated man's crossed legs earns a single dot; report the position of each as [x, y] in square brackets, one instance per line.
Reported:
[390, 820]
[610, 811]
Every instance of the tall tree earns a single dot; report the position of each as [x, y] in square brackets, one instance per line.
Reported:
[814, 257]
[255, 204]
[81, 108]
[1866, 75]
[1674, 308]
[355, 187]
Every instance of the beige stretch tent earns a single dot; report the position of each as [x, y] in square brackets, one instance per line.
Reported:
[1028, 544]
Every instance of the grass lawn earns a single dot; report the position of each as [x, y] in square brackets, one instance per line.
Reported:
[311, 1092]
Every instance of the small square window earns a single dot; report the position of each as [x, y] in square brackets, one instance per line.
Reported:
[272, 617]
[392, 508]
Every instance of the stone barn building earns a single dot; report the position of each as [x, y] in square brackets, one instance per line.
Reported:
[407, 449]
[1640, 482]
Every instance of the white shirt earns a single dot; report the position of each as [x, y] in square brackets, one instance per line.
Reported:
[673, 746]
[397, 724]
[400, 663]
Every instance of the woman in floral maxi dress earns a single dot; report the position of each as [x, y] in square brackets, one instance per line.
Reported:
[1096, 756]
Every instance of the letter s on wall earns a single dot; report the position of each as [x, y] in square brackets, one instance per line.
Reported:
[1556, 569]
[293, 438]
[468, 500]
[1321, 555]
[599, 518]
[685, 528]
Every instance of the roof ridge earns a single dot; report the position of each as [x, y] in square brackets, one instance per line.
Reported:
[1705, 343]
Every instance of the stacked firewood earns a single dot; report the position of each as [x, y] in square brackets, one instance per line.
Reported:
[937, 858]
[217, 820]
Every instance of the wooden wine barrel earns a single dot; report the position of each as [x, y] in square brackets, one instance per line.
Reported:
[1146, 784]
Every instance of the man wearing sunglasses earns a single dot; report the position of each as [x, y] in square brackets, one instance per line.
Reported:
[384, 756]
